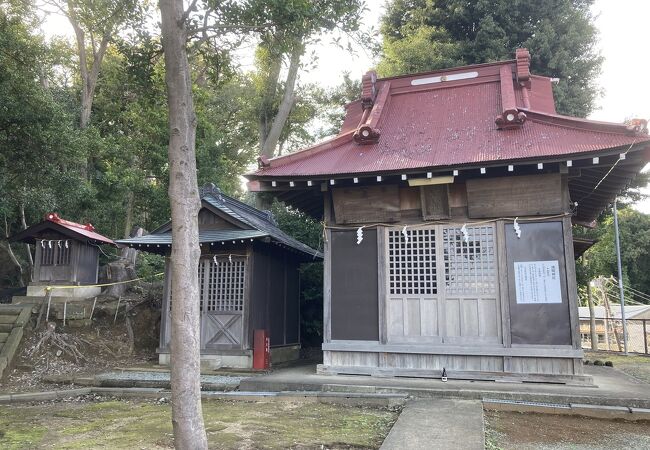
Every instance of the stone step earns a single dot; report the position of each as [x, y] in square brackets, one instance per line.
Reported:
[6, 327]
[3, 338]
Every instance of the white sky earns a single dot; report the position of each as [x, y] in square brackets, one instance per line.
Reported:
[623, 33]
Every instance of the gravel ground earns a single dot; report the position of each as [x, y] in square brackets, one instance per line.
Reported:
[164, 376]
[526, 431]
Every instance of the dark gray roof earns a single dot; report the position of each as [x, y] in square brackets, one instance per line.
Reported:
[262, 225]
[205, 236]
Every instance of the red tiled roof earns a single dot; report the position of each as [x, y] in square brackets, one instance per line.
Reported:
[447, 119]
[86, 230]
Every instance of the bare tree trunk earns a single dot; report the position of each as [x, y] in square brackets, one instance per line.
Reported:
[30, 260]
[271, 141]
[11, 254]
[187, 416]
[592, 318]
[128, 221]
[610, 319]
[88, 75]
[268, 98]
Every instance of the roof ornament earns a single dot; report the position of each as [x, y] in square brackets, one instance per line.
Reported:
[522, 56]
[263, 161]
[368, 89]
[510, 116]
[373, 100]
[270, 217]
[212, 189]
[637, 126]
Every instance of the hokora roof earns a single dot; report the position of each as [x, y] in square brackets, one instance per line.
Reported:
[83, 232]
[256, 225]
[467, 117]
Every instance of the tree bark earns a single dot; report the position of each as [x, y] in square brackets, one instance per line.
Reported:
[187, 416]
[268, 98]
[30, 260]
[128, 220]
[592, 318]
[280, 119]
[88, 75]
[11, 254]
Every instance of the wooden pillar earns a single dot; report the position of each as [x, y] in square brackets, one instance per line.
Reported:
[572, 291]
[327, 266]
[504, 297]
[382, 283]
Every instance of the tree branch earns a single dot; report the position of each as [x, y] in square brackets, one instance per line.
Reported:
[187, 13]
[271, 141]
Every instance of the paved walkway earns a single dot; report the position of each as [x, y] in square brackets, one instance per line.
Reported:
[611, 387]
[438, 424]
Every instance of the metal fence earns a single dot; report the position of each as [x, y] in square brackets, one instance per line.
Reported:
[609, 334]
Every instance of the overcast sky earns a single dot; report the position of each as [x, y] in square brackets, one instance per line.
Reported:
[623, 35]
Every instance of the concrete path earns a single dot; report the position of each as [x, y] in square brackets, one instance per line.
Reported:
[612, 387]
[438, 424]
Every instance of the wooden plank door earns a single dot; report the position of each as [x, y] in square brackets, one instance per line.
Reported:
[222, 280]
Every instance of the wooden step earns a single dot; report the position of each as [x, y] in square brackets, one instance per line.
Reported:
[8, 310]
[8, 318]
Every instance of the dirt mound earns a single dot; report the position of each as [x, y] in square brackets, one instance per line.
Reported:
[106, 343]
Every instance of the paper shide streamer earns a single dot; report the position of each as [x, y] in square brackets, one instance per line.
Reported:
[517, 228]
[463, 230]
[405, 233]
[359, 235]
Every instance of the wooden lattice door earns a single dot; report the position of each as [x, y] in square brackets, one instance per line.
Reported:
[222, 282]
[442, 285]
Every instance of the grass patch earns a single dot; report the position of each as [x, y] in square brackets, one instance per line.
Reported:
[229, 424]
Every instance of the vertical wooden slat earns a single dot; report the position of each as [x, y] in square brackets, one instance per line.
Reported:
[382, 282]
[572, 291]
[504, 299]
[327, 285]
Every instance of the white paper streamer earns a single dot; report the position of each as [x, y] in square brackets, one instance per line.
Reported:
[463, 230]
[405, 233]
[517, 228]
[359, 235]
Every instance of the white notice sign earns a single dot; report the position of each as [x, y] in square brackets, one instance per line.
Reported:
[538, 282]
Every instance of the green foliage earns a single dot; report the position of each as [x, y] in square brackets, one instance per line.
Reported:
[331, 111]
[422, 35]
[38, 149]
[600, 260]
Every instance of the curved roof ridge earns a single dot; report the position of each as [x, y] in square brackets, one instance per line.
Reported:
[449, 69]
[587, 124]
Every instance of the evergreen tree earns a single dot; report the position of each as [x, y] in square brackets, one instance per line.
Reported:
[422, 35]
